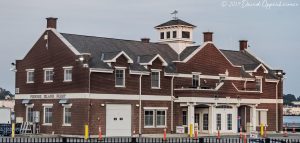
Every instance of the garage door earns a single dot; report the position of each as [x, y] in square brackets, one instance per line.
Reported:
[118, 120]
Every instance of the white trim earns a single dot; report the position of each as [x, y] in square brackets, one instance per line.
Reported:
[48, 68]
[124, 74]
[129, 60]
[157, 71]
[250, 91]
[201, 47]
[260, 65]
[66, 42]
[64, 114]
[30, 70]
[67, 67]
[65, 74]
[155, 108]
[44, 113]
[93, 96]
[45, 76]
[117, 67]
[164, 63]
[262, 109]
[153, 119]
[27, 75]
[227, 100]
[101, 70]
[249, 52]
[209, 76]
[139, 72]
[271, 80]
[47, 105]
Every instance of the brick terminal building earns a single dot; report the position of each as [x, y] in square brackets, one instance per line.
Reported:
[131, 87]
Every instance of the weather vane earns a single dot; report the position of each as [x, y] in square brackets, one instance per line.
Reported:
[174, 13]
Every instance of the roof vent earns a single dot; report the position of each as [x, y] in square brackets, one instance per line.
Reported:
[145, 40]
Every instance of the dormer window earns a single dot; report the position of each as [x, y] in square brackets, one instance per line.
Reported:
[120, 77]
[155, 79]
[195, 81]
[258, 84]
[162, 35]
[185, 34]
[174, 34]
[168, 35]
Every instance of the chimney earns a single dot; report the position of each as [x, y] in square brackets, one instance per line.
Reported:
[208, 36]
[51, 22]
[243, 45]
[145, 40]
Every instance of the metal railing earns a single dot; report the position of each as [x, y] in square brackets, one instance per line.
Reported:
[142, 140]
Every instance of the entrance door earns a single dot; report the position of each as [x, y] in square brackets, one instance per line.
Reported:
[225, 119]
[118, 120]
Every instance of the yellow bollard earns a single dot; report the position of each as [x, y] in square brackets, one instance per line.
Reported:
[261, 130]
[13, 130]
[86, 132]
[191, 130]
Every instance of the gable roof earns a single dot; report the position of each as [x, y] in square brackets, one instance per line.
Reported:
[109, 48]
[175, 22]
[187, 51]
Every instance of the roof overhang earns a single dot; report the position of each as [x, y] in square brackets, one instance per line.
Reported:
[164, 63]
[113, 60]
[255, 70]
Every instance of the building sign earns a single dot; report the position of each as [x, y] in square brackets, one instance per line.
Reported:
[48, 96]
[180, 129]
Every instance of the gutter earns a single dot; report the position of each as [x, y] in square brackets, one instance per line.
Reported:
[172, 104]
[140, 103]
[277, 106]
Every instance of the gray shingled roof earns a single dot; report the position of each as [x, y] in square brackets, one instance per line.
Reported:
[107, 48]
[187, 51]
[175, 22]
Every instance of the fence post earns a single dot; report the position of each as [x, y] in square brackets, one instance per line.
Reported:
[201, 140]
[133, 140]
[64, 140]
[267, 140]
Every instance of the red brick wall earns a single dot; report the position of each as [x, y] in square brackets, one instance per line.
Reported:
[57, 56]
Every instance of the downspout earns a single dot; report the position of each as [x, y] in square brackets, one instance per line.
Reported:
[277, 106]
[89, 106]
[172, 104]
[140, 105]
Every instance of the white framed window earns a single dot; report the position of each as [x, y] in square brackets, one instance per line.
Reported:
[155, 117]
[261, 117]
[48, 74]
[258, 84]
[195, 80]
[205, 121]
[29, 113]
[30, 75]
[47, 114]
[67, 115]
[67, 74]
[120, 77]
[184, 117]
[219, 122]
[149, 118]
[161, 118]
[229, 121]
[155, 79]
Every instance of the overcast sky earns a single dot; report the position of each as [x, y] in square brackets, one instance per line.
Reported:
[272, 32]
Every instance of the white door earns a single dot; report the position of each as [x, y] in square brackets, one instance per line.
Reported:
[118, 120]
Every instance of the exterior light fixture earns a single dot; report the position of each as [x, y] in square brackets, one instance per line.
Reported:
[137, 105]
[102, 105]
[81, 58]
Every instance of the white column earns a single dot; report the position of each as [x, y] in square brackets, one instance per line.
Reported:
[235, 119]
[253, 117]
[211, 119]
[191, 114]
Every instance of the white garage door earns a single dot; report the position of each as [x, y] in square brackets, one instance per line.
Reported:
[118, 120]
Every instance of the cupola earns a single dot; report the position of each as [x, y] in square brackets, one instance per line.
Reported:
[177, 33]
